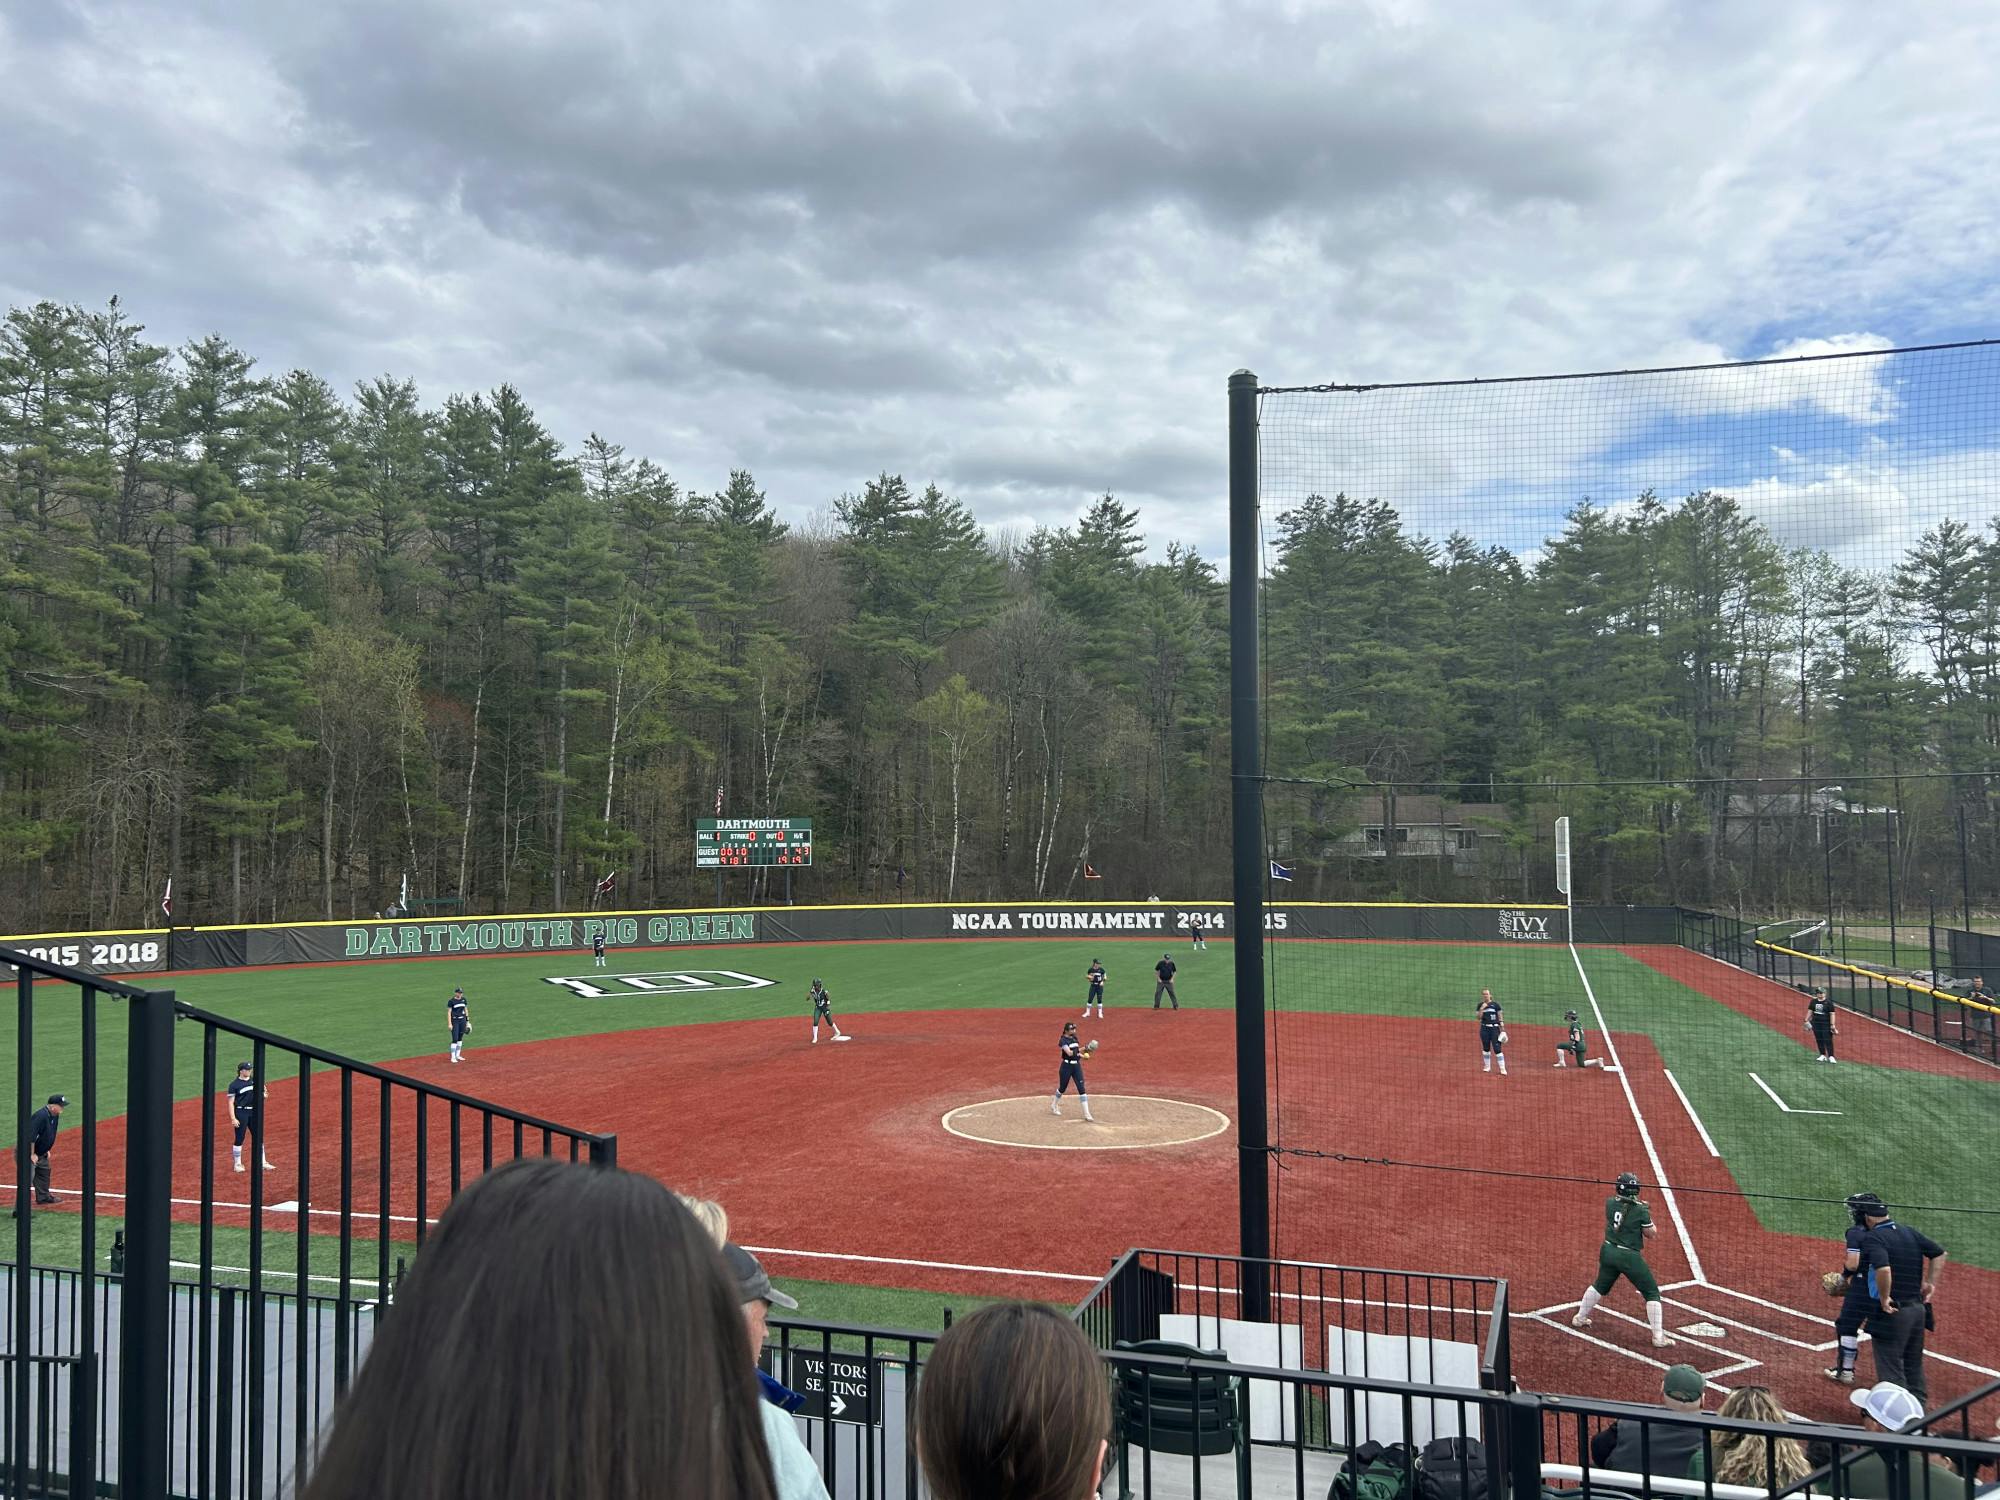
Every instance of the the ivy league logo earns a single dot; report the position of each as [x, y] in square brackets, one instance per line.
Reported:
[1525, 926]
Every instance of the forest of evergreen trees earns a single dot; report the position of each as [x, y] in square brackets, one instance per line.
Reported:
[288, 646]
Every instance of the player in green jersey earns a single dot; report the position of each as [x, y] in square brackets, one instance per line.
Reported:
[1578, 1045]
[1627, 1222]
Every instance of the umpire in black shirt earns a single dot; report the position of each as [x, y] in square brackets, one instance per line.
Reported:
[1902, 1267]
[42, 1127]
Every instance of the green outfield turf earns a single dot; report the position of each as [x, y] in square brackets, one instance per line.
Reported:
[1920, 1138]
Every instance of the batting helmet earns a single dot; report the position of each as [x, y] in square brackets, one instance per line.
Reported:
[1627, 1185]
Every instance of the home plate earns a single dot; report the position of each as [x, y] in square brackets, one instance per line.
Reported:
[1702, 1331]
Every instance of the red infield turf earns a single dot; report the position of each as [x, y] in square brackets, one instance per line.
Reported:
[834, 1159]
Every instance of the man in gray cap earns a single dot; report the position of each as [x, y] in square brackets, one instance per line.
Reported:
[792, 1466]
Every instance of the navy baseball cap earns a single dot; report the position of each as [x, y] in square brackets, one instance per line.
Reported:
[58, 1099]
[242, 1065]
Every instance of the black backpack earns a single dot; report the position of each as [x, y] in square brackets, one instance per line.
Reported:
[1374, 1472]
[1452, 1468]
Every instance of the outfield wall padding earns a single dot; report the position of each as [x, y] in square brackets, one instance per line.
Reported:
[337, 942]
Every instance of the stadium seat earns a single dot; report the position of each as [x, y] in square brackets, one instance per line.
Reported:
[1198, 1414]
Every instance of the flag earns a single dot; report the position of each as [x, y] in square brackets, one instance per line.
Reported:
[604, 885]
[403, 901]
[718, 801]
[1090, 873]
[1280, 872]
[167, 900]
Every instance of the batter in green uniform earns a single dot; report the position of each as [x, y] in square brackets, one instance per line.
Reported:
[1578, 1045]
[1627, 1222]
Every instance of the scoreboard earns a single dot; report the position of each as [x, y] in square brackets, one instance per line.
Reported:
[730, 843]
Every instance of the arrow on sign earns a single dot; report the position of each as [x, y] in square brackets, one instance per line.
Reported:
[835, 1405]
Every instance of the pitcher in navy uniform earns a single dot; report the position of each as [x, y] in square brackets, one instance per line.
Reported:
[1095, 974]
[1492, 1039]
[1071, 1072]
[458, 1016]
[246, 1108]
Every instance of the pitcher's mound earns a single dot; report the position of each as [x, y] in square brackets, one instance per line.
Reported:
[1125, 1122]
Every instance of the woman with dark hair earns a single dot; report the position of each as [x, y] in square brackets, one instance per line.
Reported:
[567, 1330]
[1013, 1405]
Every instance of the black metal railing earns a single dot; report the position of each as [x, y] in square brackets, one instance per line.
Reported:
[242, 1295]
[50, 1456]
[1394, 1322]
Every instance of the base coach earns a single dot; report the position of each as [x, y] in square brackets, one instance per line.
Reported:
[1902, 1268]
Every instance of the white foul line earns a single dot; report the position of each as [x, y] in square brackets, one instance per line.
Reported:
[1784, 1106]
[928, 1265]
[1645, 1136]
[1687, 1105]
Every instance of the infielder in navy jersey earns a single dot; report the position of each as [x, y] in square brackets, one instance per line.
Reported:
[1492, 1039]
[823, 1011]
[1095, 974]
[1071, 1071]
[458, 1017]
[1856, 1300]
[597, 948]
[246, 1109]
[1198, 930]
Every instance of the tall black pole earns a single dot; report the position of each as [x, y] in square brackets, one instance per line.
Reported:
[144, 1368]
[1826, 849]
[1964, 876]
[1253, 1154]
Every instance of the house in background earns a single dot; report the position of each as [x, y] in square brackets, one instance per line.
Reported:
[1468, 834]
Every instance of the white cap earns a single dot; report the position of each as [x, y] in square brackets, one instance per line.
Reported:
[1891, 1405]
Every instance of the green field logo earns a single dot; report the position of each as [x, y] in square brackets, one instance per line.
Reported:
[681, 982]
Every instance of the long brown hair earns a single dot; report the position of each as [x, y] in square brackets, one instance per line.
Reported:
[1739, 1456]
[1014, 1405]
[567, 1330]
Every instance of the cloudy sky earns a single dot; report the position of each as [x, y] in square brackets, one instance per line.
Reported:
[1017, 249]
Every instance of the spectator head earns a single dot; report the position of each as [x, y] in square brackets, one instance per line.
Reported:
[1748, 1459]
[566, 1330]
[710, 1215]
[57, 1103]
[1014, 1405]
[756, 1294]
[1682, 1387]
[1887, 1406]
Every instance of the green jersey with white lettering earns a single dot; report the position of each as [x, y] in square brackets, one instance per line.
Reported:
[1625, 1221]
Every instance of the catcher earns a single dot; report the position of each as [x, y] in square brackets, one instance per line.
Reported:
[1073, 1053]
[1578, 1045]
[1850, 1284]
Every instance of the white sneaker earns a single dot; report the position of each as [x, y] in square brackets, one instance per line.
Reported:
[1660, 1341]
[270, 1166]
[1579, 1321]
[237, 1167]
[1055, 1109]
